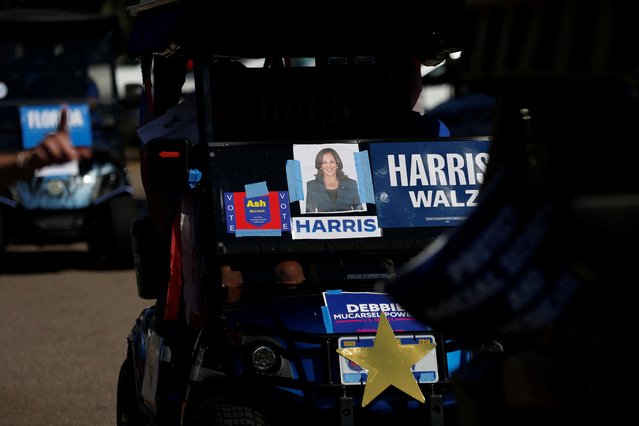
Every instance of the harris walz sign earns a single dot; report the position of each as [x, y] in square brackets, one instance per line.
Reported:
[433, 183]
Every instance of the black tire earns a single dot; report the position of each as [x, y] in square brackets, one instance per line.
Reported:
[112, 239]
[126, 398]
[221, 412]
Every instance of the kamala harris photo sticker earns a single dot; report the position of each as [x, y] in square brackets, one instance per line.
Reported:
[329, 176]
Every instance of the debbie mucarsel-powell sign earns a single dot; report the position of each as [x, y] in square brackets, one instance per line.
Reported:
[427, 183]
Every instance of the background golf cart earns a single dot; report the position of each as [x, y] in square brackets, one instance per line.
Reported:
[50, 58]
[273, 352]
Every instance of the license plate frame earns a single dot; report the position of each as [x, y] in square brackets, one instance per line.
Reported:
[424, 371]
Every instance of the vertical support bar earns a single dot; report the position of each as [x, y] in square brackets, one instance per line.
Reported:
[346, 411]
[202, 77]
[436, 407]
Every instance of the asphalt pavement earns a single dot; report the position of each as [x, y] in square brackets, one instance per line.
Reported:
[63, 330]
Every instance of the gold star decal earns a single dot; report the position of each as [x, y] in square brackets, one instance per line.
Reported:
[388, 363]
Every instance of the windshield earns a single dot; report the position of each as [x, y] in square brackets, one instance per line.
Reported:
[51, 72]
[55, 69]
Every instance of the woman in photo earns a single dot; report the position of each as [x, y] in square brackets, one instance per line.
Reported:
[331, 190]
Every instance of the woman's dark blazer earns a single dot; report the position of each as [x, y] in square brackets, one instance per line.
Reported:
[317, 199]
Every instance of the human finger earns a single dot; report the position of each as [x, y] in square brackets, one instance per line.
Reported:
[63, 125]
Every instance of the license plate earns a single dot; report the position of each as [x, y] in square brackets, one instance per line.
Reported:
[425, 370]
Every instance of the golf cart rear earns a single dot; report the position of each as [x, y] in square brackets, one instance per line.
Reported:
[230, 168]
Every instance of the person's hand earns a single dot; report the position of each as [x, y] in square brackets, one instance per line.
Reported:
[55, 148]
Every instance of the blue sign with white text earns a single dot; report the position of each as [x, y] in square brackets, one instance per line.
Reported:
[37, 121]
[351, 312]
[428, 183]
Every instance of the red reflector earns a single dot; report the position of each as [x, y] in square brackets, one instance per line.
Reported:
[169, 154]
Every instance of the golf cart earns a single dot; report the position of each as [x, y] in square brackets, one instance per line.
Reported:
[227, 176]
[51, 59]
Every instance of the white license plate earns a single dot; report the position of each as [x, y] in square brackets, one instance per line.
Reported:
[425, 370]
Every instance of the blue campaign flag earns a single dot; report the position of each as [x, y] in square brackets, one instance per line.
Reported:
[38, 120]
[430, 183]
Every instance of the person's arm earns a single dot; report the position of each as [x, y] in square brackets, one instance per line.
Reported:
[13, 166]
[55, 147]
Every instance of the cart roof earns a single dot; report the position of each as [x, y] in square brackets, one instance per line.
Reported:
[36, 24]
[254, 29]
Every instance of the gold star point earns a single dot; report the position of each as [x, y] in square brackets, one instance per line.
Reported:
[388, 363]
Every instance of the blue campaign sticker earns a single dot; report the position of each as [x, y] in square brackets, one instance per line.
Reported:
[352, 312]
[257, 211]
[423, 184]
[267, 215]
[38, 120]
